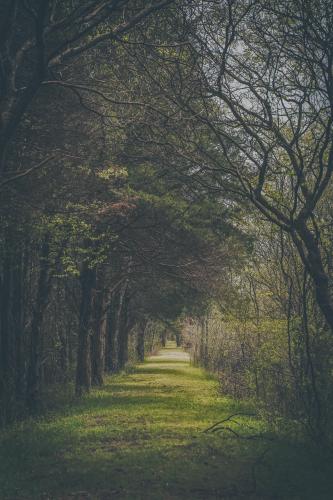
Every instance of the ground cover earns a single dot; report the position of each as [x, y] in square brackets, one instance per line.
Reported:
[142, 437]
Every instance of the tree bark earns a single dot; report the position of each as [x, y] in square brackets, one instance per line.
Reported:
[121, 335]
[313, 263]
[97, 340]
[204, 342]
[140, 341]
[83, 367]
[177, 337]
[18, 324]
[164, 337]
[43, 289]
[127, 324]
[109, 339]
[5, 365]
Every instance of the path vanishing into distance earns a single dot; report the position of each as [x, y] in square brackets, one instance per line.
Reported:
[142, 437]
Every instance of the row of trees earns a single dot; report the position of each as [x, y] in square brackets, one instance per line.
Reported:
[100, 251]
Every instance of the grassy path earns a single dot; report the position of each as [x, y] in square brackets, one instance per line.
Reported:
[140, 437]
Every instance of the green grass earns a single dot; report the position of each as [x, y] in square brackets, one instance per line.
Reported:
[141, 437]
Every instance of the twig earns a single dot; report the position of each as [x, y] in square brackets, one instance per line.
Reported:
[217, 427]
[27, 172]
[229, 419]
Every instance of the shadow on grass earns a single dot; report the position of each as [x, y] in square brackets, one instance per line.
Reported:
[157, 361]
[135, 440]
[203, 468]
[139, 388]
[168, 371]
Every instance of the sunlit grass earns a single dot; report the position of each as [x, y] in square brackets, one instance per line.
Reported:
[141, 437]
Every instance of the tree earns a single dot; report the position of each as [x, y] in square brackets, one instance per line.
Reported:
[258, 78]
[39, 38]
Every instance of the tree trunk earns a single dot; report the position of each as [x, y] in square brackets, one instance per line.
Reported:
[114, 336]
[313, 263]
[109, 339]
[127, 324]
[140, 341]
[115, 332]
[121, 333]
[97, 341]
[164, 337]
[18, 325]
[177, 337]
[44, 284]
[204, 342]
[5, 341]
[83, 367]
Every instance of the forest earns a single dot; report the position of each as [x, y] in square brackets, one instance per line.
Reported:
[166, 249]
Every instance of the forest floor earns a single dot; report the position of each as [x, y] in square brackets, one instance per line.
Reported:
[141, 437]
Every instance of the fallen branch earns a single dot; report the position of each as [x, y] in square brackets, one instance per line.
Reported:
[229, 419]
[217, 427]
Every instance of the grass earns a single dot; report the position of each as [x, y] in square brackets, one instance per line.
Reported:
[141, 437]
